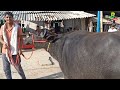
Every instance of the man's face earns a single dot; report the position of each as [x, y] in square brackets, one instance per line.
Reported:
[37, 27]
[112, 27]
[8, 19]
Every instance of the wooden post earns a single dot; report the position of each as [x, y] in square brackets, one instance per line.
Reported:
[101, 21]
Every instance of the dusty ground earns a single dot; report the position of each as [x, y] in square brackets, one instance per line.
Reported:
[37, 67]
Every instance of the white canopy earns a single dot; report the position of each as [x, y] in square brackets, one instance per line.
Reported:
[47, 15]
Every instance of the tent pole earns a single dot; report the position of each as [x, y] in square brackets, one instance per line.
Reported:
[98, 21]
[101, 21]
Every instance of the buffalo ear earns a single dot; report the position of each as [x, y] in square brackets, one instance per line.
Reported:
[57, 37]
[53, 38]
[50, 38]
[53, 41]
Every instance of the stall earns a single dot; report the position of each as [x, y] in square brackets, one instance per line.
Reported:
[106, 24]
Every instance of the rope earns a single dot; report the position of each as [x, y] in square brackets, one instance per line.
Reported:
[17, 61]
[27, 57]
[18, 55]
[30, 55]
[10, 55]
[48, 46]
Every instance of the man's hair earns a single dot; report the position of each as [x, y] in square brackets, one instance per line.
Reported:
[8, 13]
[113, 25]
[37, 26]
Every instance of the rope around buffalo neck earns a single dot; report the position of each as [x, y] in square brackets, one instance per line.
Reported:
[48, 46]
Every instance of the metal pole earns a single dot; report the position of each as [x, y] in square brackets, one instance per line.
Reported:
[101, 21]
[98, 21]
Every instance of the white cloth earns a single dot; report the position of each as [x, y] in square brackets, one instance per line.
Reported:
[112, 30]
[90, 26]
[13, 40]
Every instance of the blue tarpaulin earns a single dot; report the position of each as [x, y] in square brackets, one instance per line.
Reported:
[98, 21]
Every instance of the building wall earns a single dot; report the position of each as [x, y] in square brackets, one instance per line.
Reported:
[79, 24]
[83, 24]
[75, 24]
[67, 23]
[32, 24]
[40, 23]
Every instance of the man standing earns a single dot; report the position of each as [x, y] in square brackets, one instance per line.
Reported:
[112, 29]
[38, 30]
[10, 37]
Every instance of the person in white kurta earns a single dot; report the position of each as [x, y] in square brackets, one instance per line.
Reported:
[112, 29]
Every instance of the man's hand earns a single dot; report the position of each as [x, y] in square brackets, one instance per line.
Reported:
[5, 45]
[20, 52]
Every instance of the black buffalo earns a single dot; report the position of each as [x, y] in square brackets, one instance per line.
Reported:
[87, 55]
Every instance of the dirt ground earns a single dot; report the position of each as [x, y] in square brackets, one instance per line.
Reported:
[37, 67]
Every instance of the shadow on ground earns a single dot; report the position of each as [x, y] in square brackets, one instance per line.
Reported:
[53, 76]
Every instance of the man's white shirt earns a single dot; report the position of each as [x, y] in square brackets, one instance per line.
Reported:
[112, 30]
